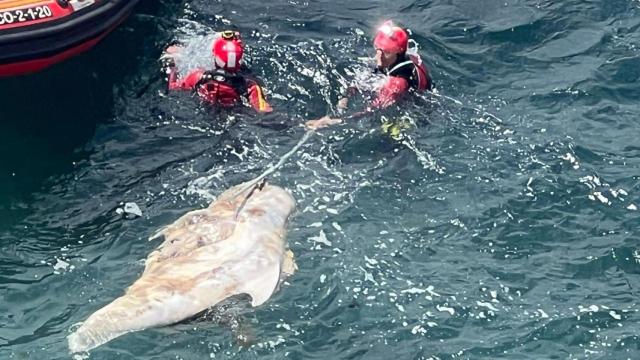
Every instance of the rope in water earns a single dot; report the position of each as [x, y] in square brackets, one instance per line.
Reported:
[252, 184]
[281, 162]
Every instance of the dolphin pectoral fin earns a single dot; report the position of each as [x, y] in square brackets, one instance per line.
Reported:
[289, 265]
[262, 286]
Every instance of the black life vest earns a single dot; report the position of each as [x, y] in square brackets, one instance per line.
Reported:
[411, 68]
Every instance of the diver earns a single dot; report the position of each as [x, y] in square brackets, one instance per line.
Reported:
[226, 82]
[404, 72]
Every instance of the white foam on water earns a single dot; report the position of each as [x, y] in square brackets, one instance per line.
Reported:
[572, 160]
[321, 238]
[418, 329]
[487, 305]
[615, 315]
[413, 291]
[542, 314]
[450, 310]
[590, 308]
[61, 265]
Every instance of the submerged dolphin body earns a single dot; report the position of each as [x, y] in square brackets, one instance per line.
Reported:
[235, 246]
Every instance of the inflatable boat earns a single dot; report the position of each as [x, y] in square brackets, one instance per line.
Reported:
[35, 34]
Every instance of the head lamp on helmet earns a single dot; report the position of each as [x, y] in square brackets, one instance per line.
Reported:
[230, 35]
[391, 39]
[227, 51]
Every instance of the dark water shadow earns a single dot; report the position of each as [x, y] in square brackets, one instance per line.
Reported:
[47, 118]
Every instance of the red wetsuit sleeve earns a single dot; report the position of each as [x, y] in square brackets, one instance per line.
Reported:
[391, 91]
[256, 98]
[175, 83]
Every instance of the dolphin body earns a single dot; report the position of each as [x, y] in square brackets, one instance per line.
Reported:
[235, 246]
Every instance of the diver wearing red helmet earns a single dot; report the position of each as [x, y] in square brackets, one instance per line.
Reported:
[403, 71]
[226, 82]
[391, 44]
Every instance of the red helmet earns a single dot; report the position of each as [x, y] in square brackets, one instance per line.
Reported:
[391, 38]
[227, 51]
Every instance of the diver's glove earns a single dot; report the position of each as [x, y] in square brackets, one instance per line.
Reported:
[167, 59]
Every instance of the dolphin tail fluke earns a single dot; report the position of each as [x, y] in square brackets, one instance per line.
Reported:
[113, 320]
[87, 338]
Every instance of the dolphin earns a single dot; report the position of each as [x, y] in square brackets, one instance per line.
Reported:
[235, 246]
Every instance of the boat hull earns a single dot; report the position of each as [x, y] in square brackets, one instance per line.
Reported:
[37, 43]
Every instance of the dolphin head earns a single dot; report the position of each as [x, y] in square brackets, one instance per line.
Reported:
[260, 198]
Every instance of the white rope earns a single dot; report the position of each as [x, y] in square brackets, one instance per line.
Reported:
[279, 164]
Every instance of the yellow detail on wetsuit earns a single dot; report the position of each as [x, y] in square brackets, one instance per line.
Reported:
[395, 128]
[262, 103]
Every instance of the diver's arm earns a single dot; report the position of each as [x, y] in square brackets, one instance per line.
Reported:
[188, 83]
[322, 122]
[390, 92]
[393, 89]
